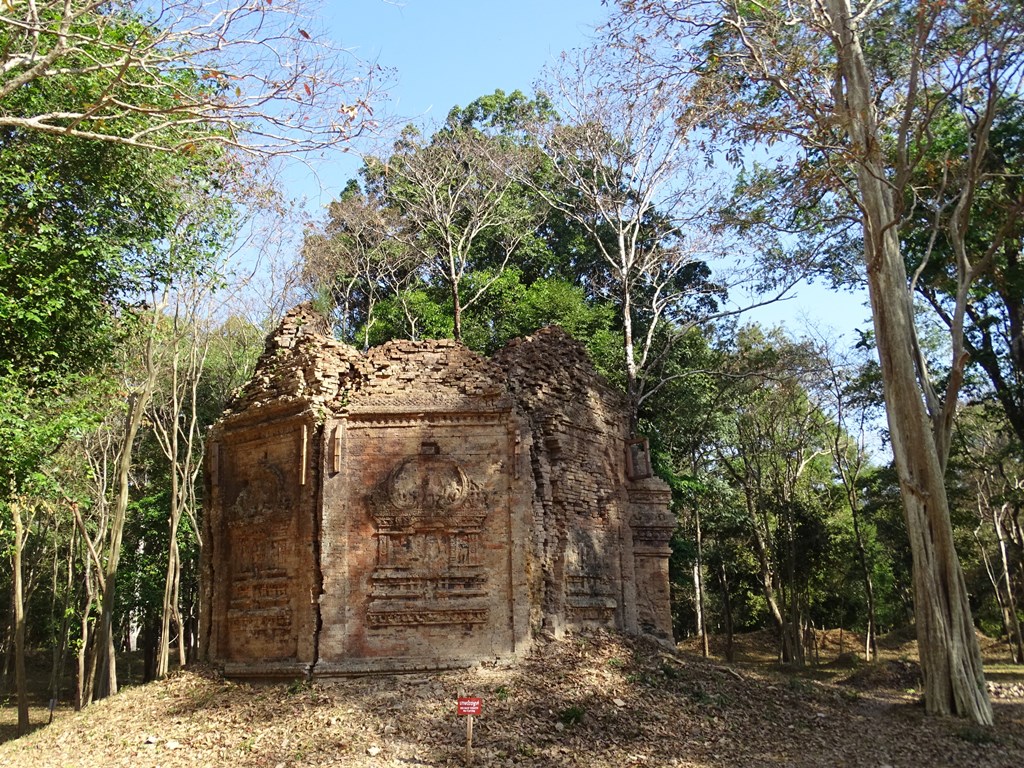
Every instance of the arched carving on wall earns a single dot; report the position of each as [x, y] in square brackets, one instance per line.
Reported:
[429, 517]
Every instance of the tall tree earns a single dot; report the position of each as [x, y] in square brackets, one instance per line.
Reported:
[632, 180]
[175, 414]
[459, 205]
[774, 453]
[993, 316]
[844, 385]
[992, 475]
[857, 87]
[114, 119]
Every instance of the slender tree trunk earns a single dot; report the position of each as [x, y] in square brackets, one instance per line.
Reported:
[138, 402]
[870, 645]
[698, 613]
[456, 310]
[176, 602]
[20, 681]
[1016, 534]
[1012, 621]
[93, 663]
[170, 578]
[723, 580]
[698, 584]
[849, 478]
[997, 589]
[60, 650]
[632, 393]
[83, 683]
[770, 585]
[793, 638]
[954, 681]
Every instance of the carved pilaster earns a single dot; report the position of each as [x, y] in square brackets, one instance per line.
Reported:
[652, 524]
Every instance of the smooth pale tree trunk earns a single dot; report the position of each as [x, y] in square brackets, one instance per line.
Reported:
[21, 683]
[173, 565]
[86, 661]
[168, 609]
[870, 645]
[138, 402]
[698, 608]
[176, 427]
[1002, 585]
[1005, 602]
[107, 681]
[60, 649]
[793, 627]
[182, 649]
[849, 478]
[723, 580]
[954, 682]
[632, 383]
[698, 586]
[1013, 629]
[85, 681]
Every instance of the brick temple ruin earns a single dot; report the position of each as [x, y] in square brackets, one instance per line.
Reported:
[421, 506]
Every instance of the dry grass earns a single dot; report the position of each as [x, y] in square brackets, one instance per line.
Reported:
[590, 700]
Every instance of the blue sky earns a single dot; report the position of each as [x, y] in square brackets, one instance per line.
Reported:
[445, 53]
[449, 52]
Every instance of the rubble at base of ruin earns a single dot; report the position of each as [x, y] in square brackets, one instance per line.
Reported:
[421, 506]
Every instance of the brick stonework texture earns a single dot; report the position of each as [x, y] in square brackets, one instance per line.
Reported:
[420, 506]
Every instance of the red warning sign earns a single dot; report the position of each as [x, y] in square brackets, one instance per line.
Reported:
[470, 705]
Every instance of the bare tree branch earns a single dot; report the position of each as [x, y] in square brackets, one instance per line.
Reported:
[255, 76]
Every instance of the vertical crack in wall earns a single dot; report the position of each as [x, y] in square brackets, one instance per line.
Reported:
[316, 595]
[405, 566]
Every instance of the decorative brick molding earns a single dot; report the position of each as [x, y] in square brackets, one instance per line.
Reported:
[420, 506]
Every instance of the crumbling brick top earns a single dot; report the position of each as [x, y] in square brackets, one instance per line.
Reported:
[551, 371]
[301, 361]
[419, 372]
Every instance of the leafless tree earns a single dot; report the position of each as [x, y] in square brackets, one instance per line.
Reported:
[256, 76]
[633, 176]
[456, 193]
[174, 415]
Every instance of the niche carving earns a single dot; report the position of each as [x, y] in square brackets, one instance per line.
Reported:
[429, 519]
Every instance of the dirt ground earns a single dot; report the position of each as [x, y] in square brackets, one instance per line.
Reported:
[594, 699]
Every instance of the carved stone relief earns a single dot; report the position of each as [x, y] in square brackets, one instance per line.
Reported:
[590, 591]
[259, 538]
[420, 506]
[429, 519]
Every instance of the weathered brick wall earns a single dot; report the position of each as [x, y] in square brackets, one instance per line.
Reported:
[260, 560]
[422, 519]
[584, 503]
[420, 506]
